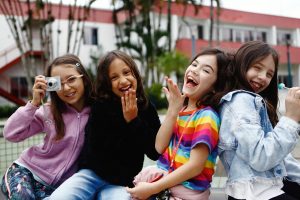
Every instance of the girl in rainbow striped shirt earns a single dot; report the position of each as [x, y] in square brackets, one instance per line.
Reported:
[188, 136]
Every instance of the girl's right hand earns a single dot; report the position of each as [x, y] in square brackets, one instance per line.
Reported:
[292, 104]
[174, 96]
[38, 90]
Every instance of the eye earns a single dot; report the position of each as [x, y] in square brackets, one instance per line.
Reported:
[270, 75]
[113, 78]
[127, 72]
[71, 79]
[194, 64]
[207, 70]
[256, 67]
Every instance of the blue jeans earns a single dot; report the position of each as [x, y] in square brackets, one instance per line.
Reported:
[85, 185]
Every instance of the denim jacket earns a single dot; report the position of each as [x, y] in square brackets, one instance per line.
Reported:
[249, 147]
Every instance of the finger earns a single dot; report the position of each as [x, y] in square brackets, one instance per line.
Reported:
[40, 78]
[130, 99]
[133, 98]
[166, 91]
[123, 104]
[297, 94]
[126, 96]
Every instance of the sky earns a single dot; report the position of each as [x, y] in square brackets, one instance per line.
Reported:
[287, 8]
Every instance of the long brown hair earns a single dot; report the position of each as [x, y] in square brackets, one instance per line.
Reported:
[57, 106]
[103, 83]
[245, 57]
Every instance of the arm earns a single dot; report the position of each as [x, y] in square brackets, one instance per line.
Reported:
[187, 171]
[204, 139]
[175, 99]
[261, 149]
[26, 121]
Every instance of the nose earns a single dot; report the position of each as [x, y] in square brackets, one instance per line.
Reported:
[123, 79]
[65, 86]
[194, 71]
[262, 76]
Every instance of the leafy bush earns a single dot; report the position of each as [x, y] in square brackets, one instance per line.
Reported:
[156, 96]
[6, 111]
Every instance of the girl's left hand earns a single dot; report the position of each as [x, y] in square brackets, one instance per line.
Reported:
[129, 105]
[142, 191]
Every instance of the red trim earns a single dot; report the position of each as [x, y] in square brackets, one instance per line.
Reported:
[185, 46]
[11, 97]
[226, 16]
[236, 16]
[96, 15]
[18, 59]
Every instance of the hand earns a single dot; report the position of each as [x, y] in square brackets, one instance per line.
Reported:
[292, 104]
[142, 190]
[38, 90]
[174, 96]
[129, 105]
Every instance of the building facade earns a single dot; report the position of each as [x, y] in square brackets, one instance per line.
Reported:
[189, 35]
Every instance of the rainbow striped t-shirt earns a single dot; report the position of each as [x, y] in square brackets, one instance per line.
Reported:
[203, 127]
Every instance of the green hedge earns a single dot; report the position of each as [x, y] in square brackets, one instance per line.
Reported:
[6, 111]
[156, 96]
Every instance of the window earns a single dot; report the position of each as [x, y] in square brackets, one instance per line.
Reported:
[90, 36]
[261, 35]
[19, 87]
[248, 36]
[200, 32]
[238, 35]
[283, 37]
[227, 34]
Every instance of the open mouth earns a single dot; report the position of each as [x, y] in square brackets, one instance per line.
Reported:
[124, 89]
[191, 82]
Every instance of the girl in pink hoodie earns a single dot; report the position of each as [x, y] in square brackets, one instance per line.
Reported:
[41, 168]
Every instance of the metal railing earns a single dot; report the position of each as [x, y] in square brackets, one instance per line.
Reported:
[9, 151]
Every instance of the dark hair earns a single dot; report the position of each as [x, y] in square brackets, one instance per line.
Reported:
[247, 55]
[103, 83]
[57, 105]
[223, 60]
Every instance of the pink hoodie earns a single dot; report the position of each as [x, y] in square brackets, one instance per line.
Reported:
[52, 161]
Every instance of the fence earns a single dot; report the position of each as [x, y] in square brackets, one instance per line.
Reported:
[11, 151]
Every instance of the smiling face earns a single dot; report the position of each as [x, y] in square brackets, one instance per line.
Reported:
[200, 77]
[72, 94]
[122, 78]
[260, 74]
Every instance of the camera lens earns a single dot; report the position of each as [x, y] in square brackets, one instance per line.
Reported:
[50, 84]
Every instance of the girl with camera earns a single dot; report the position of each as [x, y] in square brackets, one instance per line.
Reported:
[43, 167]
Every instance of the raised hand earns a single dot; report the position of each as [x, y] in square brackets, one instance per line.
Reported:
[38, 90]
[129, 105]
[174, 96]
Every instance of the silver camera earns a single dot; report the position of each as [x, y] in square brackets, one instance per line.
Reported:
[53, 83]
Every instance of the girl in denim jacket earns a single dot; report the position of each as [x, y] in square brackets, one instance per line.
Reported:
[253, 143]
